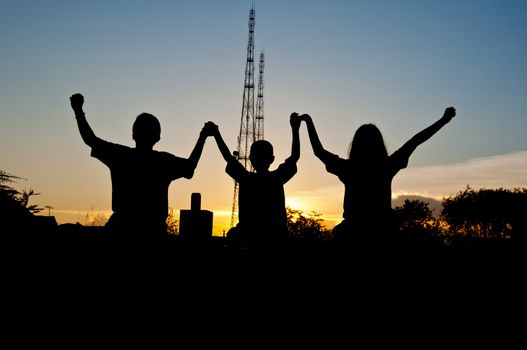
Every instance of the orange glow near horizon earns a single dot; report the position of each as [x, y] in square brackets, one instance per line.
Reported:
[221, 223]
[295, 204]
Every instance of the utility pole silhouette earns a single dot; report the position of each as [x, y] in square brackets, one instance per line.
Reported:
[251, 125]
[49, 207]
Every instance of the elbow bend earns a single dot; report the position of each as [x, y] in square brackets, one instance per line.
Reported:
[189, 175]
[89, 143]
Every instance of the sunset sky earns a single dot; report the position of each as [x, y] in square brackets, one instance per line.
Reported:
[397, 64]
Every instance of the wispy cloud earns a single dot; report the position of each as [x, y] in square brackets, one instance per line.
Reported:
[507, 171]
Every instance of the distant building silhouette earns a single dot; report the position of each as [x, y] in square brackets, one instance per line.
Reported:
[195, 223]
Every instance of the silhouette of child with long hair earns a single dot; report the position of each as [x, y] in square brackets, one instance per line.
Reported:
[262, 215]
[140, 176]
[367, 176]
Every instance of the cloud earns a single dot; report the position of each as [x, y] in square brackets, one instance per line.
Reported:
[438, 181]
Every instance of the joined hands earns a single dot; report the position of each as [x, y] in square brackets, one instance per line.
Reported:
[209, 129]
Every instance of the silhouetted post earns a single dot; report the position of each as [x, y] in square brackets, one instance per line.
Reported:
[195, 202]
[49, 207]
[195, 223]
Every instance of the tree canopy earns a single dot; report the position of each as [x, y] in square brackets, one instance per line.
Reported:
[15, 210]
[492, 213]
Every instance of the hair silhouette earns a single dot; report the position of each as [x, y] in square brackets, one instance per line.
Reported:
[367, 145]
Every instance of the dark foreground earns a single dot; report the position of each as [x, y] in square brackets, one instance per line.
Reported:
[93, 287]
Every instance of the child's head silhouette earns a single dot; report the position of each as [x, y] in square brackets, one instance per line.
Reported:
[367, 145]
[261, 155]
[146, 130]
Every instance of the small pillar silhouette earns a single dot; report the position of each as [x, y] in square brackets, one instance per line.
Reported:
[195, 223]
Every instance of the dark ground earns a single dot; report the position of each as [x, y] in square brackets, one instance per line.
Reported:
[89, 285]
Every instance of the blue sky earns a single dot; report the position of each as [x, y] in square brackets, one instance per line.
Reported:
[395, 63]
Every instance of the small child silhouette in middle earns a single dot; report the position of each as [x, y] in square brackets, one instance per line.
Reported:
[262, 214]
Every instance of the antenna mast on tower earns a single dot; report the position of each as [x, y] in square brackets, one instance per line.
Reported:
[259, 118]
[247, 123]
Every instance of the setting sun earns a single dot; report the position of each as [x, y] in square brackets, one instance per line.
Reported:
[294, 203]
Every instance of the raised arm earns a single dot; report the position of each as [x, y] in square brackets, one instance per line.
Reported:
[198, 148]
[427, 133]
[224, 150]
[295, 121]
[87, 134]
[319, 151]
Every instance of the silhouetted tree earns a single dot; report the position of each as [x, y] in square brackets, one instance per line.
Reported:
[416, 222]
[487, 213]
[413, 213]
[95, 219]
[15, 211]
[306, 227]
[13, 201]
[172, 222]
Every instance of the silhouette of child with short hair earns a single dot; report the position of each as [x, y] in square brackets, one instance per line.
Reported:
[367, 176]
[262, 215]
[140, 176]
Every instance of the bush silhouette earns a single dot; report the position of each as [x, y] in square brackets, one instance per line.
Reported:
[15, 209]
[487, 213]
[306, 227]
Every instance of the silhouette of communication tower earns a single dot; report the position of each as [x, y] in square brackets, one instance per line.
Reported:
[251, 123]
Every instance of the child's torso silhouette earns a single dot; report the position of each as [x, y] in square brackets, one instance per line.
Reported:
[367, 197]
[262, 199]
[140, 179]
